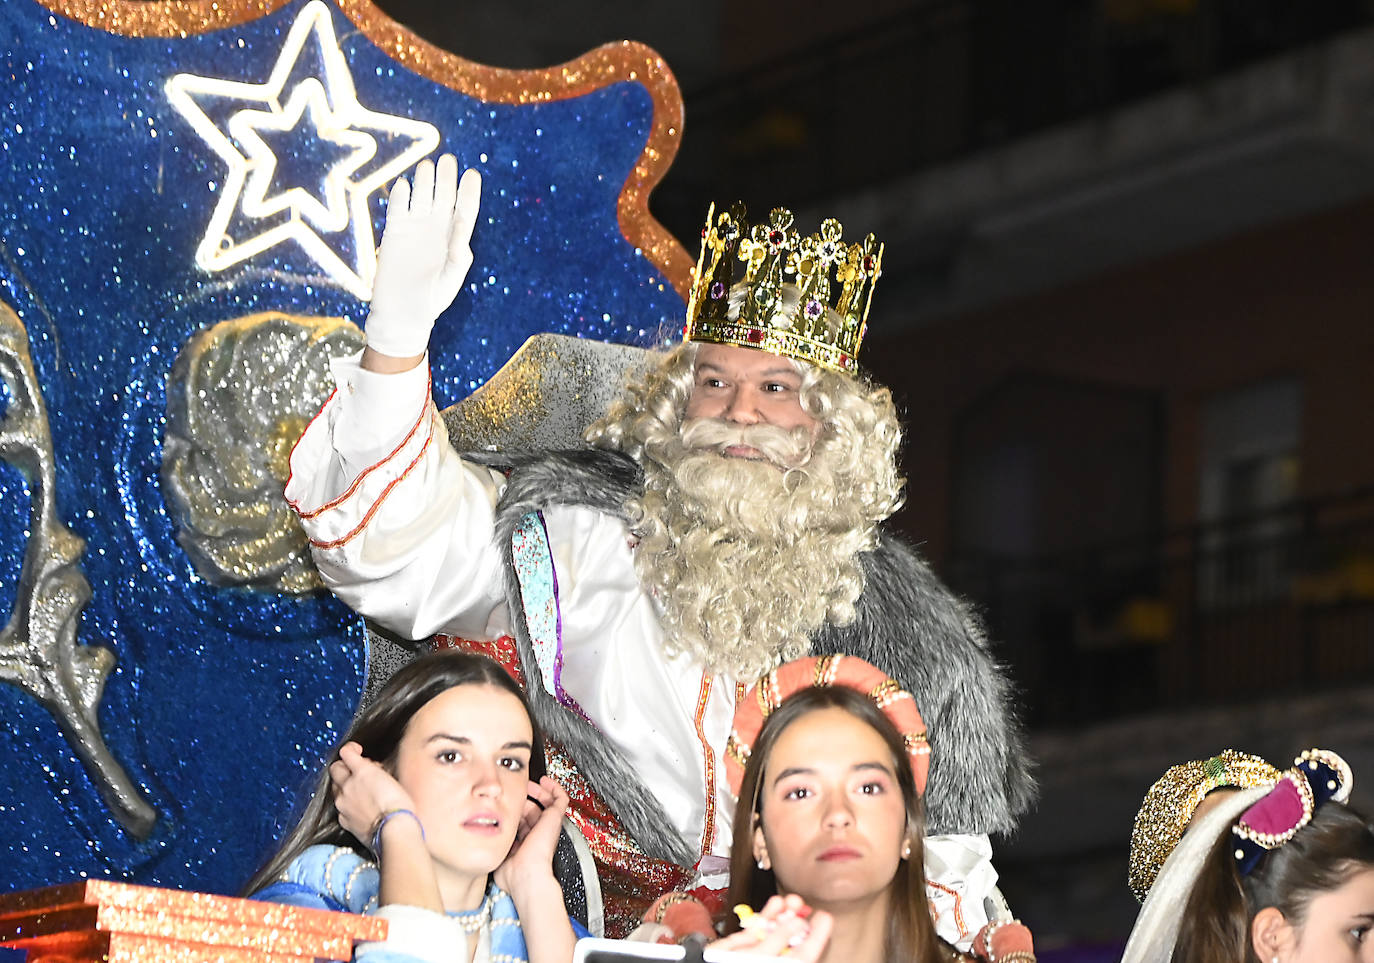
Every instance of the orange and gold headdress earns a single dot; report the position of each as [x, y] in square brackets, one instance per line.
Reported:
[828, 322]
[846, 671]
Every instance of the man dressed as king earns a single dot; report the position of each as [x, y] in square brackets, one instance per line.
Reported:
[725, 516]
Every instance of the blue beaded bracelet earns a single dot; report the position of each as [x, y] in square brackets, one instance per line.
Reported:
[381, 821]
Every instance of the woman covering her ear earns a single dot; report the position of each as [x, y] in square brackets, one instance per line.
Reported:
[828, 759]
[1281, 874]
[435, 814]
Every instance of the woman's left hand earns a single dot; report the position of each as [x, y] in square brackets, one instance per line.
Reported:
[530, 861]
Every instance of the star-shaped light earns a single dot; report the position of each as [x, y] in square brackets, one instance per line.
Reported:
[250, 218]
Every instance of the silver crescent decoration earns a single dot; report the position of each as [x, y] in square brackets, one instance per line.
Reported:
[240, 394]
[545, 396]
[38, 648]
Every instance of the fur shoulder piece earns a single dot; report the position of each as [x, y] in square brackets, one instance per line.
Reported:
[582, 477]
[910, 625]
[603, 481]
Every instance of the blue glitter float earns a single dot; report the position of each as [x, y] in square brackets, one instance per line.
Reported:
[223, 700]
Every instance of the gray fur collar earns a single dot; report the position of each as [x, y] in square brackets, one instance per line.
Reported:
[908, 624]
[600, 480]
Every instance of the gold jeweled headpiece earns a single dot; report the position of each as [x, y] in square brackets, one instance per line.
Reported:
[1169, 806]
[772, 255]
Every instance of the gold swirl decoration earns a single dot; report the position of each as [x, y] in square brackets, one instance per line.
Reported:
[610, 63]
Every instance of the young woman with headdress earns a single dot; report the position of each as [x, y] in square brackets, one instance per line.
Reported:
[828, 760]
[1272, 874]
[435, 814]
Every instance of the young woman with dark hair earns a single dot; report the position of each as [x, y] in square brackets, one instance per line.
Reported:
[828, 759]
[809, 807]
[435, 813]
[1281, 874]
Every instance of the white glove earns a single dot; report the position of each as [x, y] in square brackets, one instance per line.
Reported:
[423, 257]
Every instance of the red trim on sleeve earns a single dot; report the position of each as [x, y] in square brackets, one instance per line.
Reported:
[334, 503]
[376, 504]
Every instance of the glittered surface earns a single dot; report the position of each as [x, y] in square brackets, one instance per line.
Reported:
[1168, 807]
[232, 677]
[238, 397]
[545, 396]
[39, 651]
[205, 906]
[630, 880]
[189, 922]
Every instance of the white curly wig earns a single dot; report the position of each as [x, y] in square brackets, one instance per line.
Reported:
[747, 558]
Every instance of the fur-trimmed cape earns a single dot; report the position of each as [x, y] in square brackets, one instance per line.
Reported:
[908, 624]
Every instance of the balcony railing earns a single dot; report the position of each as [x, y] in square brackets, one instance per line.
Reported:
[946, 78]
[1254, 606]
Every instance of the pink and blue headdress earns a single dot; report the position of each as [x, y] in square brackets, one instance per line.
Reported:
[1318, 776]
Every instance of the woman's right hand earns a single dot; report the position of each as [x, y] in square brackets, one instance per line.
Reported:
[785, 927]
[363, 790]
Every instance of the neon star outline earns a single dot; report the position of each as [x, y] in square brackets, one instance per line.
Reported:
[331, 103]
[333, 213]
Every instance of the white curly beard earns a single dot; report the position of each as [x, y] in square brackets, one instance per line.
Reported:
[748, 557]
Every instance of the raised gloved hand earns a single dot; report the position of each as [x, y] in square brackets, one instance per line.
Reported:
[423, 257]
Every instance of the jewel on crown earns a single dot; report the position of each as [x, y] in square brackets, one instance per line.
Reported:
[834, 282]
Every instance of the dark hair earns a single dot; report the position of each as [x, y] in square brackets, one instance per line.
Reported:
[378, 728]
[911, 931]
[1323, 856]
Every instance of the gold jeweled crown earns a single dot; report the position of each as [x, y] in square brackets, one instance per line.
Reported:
[772, 255]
